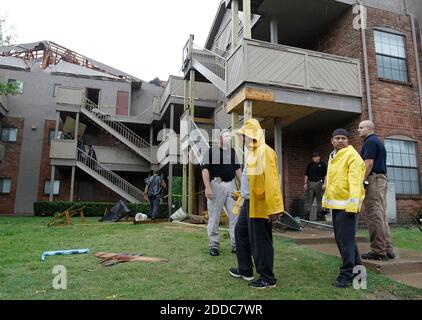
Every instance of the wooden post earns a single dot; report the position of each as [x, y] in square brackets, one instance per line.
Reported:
[72, 183]
[53, 170]
[247, 29]
[274, 30]
[77, 128]
[278, 143]
[247, 110]
[235, 126]
[184, 153]
[191, 202]
[235, 23]
[151, 137]
[170, 180]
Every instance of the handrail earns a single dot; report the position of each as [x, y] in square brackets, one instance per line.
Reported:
[115, 125]
[109, 175]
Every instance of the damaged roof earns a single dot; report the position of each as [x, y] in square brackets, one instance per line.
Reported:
[60, 60]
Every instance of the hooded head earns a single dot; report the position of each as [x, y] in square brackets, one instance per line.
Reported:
[252, 129]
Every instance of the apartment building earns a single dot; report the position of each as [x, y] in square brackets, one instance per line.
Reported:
[304, 68]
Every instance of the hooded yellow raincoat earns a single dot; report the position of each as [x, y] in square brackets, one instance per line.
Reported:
[345, 175]
[263, 176]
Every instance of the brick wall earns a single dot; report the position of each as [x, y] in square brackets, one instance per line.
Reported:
[10, 167]
[395, 105]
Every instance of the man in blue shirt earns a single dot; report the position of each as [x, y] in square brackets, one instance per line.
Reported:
[375, 203]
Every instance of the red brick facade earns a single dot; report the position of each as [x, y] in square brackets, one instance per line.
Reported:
[395, 105]
[10, 166]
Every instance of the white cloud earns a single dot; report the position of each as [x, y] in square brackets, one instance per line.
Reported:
[143, 38]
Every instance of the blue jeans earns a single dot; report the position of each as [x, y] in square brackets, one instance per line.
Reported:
[154, 202]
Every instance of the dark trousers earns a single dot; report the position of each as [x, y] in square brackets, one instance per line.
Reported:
[154, 202]
[345, 227]
[254, 238]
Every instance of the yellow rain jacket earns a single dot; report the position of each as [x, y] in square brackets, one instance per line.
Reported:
[344, 186]
[263, 176]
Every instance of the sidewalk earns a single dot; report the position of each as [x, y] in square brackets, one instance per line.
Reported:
[406, 268]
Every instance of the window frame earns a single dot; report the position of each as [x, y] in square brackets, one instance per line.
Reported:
[8, 128]
[56, 86]
[406, 139]
[21, 85]
[59, 132]
[10, 190]
[406, 59]
[45, 185]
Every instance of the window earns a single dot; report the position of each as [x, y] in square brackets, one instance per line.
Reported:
[9, 134]
[56, 187]
[391, 56]
[19, 84]
[5, 185]
[51, 135]
[402, 166]
[55, 89]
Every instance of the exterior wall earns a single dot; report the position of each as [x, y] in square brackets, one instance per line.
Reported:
[36, 105]
[395, 106]
[9, 168]
[142, 99]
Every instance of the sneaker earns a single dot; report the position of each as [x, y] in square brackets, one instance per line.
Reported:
[374, 256]
[391, 255]
[261, 284]
[234, 272]
[214, 252]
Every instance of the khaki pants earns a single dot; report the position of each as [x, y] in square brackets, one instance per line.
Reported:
[375, 205]
[313, 191]
[222, 197]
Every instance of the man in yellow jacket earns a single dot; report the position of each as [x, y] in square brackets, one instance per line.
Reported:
[262, 203]
[344, 194]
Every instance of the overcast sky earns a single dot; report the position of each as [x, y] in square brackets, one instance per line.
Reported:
[142, 38]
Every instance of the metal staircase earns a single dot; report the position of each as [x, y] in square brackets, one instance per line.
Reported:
[117, 129]
[209, 64]
[108, 177]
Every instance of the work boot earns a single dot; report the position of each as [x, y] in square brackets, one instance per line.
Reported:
[374, 256]
[391, 255]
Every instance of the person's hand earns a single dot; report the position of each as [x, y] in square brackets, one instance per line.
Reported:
[274, 217]
[305, 187]
[208, 193]
[324, 187]
[145, 197]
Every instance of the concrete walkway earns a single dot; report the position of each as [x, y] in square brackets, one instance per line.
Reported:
[406, 268]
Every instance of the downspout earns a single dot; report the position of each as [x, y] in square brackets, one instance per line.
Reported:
[366, 70]
[415, 49]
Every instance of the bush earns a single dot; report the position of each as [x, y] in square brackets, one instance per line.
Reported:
[418, 214]
[93, 209]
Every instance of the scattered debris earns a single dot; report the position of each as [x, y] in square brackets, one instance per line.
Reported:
[63, 252]
[141, 217]
[179, 215]
[195, 219]
[110, 259]
[419, 223]
[67, 214]
[116, 213]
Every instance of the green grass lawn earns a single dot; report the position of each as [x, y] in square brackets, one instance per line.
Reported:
[190, 274]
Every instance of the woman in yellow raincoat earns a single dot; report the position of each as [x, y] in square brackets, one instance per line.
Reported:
[262, 203]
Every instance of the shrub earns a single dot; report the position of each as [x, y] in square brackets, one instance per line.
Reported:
[93, 209]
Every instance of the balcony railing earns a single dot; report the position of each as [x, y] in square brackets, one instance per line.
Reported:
[272, 64]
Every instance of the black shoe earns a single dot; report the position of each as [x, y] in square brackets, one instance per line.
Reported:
[261, 284]
[391, 256]
[342, 284]
[214, 252]
[234, 272]
[374, 256]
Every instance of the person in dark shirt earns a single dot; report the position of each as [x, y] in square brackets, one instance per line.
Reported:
[313, 186]
[219, 170]
[91, 153]
[374, 154]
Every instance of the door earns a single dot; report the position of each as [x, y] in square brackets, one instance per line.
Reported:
[122, 103]
[86, 191]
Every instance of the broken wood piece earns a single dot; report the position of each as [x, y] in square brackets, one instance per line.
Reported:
[109, 258]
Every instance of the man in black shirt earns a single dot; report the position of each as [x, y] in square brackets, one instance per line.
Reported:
[314, 182]
[219, 170]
